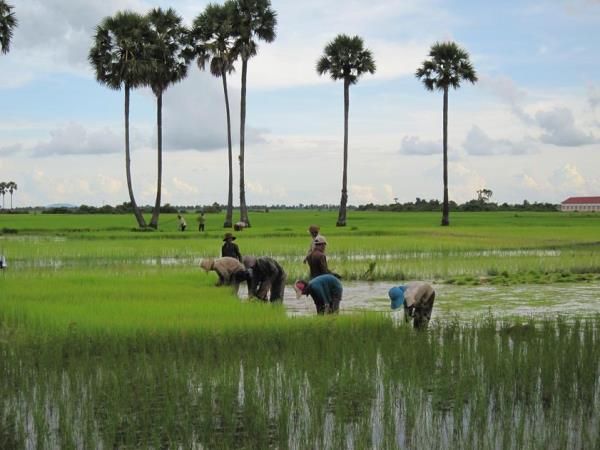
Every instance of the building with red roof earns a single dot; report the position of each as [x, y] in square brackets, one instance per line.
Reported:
[582, 204]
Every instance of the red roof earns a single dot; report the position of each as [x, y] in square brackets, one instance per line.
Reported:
[581, 200]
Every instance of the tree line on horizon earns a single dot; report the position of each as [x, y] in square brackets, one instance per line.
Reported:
[419, 205]
[132, 50]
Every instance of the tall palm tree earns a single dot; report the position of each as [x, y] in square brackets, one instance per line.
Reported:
[447, 67]
[253, 20]
[8, 22]
[213, 40]
[345, 58]
[3, 187]
[117, 56]
[12, 186]
[168, 52]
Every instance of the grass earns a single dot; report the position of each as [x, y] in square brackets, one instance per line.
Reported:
[111, 338]
[486, 385]
[402, 245]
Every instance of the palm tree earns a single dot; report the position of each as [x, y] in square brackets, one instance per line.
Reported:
[345, 58]
[169, 63]
[3, 187]
[448, 66]
[12, 186]
[117, 56]
[253, 19]
[8, 22]
[213, 38]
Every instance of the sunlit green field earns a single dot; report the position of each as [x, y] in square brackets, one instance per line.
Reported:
[385, 246]
[114, 338]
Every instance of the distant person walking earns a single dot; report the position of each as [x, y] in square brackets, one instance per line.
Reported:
[231, 272]
[182, 222]
[417, 297]
[265, 275]
[325, 290]
[230, 248]
[201, 221]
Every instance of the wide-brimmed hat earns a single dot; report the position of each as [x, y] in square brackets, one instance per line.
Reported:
[207, 264]
[320, 240]
[299, 287]
[229, 236]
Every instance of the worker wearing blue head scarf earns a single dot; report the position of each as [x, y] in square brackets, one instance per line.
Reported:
[417, 298]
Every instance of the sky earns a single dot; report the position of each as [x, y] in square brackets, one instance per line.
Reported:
[528, 129]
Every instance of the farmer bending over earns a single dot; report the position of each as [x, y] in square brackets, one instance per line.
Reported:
[264, 275]
[417, 298]
[231, 272]
[325, 290]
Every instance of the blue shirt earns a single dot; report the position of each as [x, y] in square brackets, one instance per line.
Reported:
[325, 288]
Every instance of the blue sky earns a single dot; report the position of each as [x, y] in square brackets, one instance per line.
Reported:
[529, 129]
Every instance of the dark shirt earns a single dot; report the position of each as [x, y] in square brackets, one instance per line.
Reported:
[264, 269]
[232, 250]
[317, 261]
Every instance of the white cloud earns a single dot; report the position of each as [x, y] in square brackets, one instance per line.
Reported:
[508, 91]
[362, 194]
[389, 193]
[194, 115]
[568, 178]
[73, 139]
[560, 129]
[109, 184]
[478, 142]
[261, 192]
[593, 96]
[183, 187]
[412, 145]
[55, 36]
[527, 181]
[464, 182]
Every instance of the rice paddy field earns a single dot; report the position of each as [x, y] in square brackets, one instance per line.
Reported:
[114, 338]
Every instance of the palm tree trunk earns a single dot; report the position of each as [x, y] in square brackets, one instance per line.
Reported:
[445, 205]
[156, 212]
[341, 222]
[136, 211]
[229, 216]
[243, 207]
[11, 200]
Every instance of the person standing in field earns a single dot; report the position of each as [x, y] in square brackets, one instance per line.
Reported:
[417, 297]
[317, 261]
[201, 221]
[230, 248]
[325, 290]
[182, 222]
[314, 233]
[264, 275]
[231, 272]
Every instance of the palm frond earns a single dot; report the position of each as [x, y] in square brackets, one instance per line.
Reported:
[8, 22]
[346, 58]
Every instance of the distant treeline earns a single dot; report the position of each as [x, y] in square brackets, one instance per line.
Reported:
[418, 205]
[472, 205]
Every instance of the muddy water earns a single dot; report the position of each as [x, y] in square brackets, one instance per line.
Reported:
[468, 301]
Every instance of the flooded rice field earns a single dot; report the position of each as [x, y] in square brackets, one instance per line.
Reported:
[467, 302]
